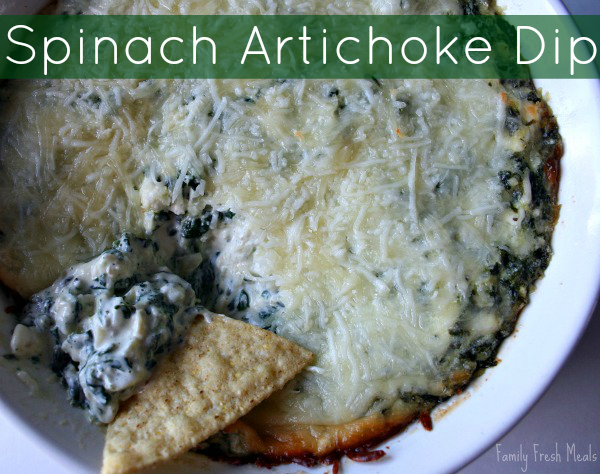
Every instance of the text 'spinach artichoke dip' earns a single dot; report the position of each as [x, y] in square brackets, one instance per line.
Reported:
[394, 228]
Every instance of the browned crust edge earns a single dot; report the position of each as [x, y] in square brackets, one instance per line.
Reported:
[297, 444]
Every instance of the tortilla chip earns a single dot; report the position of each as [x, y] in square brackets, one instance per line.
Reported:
[224, 369]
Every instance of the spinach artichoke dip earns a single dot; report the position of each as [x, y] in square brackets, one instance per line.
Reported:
[394, 228]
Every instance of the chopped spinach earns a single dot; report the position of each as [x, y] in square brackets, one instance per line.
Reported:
[243, 301]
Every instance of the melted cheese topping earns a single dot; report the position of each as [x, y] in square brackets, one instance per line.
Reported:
[369, 214]
[263, 7]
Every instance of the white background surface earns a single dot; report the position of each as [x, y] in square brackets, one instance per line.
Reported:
[568, 413]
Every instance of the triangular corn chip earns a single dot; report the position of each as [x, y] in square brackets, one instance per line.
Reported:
[223, 370]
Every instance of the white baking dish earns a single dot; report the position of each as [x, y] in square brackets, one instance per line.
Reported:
[547, 331]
